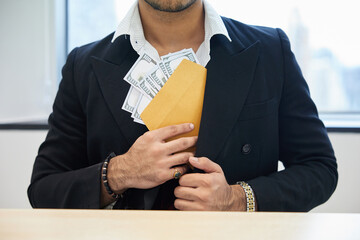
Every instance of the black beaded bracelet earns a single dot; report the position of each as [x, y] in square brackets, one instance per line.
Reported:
[104, 176]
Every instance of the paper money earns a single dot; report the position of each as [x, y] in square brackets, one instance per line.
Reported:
[147, 77]
[139, 121]
[172, 62]
[131, 100]
[158, 76]
[171, 55]
[140, 106]
[163, 70]
[148, 87]
[139, 70]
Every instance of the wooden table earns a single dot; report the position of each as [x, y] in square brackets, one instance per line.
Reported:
[111, 224]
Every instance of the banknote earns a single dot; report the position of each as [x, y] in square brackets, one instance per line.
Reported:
[171, 63]
[148, 87]
[139, 70]
[147, 76]
[139, 121]
[131, 99]
[171, 55]
[163, 69]
[135, 114]
[140, 106]
[157, 76]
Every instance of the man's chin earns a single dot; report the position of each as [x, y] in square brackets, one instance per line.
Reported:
[172, 7]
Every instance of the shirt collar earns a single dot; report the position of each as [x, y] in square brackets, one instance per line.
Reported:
[213, 23]
[131, 25]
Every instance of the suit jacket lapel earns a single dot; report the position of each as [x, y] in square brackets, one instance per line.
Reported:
[110, 71]
[229, 77]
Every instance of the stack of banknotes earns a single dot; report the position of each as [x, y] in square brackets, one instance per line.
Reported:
[148, 76]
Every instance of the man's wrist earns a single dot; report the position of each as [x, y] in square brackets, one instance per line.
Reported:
[238, 199]
[116, 175]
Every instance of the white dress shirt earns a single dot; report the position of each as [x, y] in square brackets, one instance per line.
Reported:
[131, 26]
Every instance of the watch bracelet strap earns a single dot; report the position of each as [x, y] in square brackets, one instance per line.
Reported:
[250, 197]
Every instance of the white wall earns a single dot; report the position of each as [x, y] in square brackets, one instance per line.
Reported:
[18, 150]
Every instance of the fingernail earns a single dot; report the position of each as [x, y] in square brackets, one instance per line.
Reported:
[191, 126]
[194, 159]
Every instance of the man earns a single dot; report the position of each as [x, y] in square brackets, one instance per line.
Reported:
[256, 111]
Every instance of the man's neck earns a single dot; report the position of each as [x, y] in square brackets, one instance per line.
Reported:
[173, 31]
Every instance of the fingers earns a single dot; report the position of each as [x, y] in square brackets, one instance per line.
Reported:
[172, 131]
[179, 158]
[185, 193]
[186, 205]
[180, 144]
[179, 169]
[205, 164]
[194, 180]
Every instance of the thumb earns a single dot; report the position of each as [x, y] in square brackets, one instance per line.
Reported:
[205, 164]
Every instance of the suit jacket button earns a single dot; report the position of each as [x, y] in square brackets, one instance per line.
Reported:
[246, 149]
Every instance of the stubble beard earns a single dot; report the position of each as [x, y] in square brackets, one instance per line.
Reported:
[170, 6]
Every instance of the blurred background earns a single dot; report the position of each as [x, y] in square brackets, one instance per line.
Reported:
[37, 35]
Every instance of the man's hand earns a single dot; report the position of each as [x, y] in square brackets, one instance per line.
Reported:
[151, 161]
[209, 190]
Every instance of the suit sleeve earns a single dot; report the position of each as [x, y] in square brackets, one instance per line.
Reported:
[62, 177]
[310, 175]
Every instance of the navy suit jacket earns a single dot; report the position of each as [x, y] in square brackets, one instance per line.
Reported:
[257, 111]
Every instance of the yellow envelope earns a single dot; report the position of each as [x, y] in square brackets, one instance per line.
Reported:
[180, 100]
